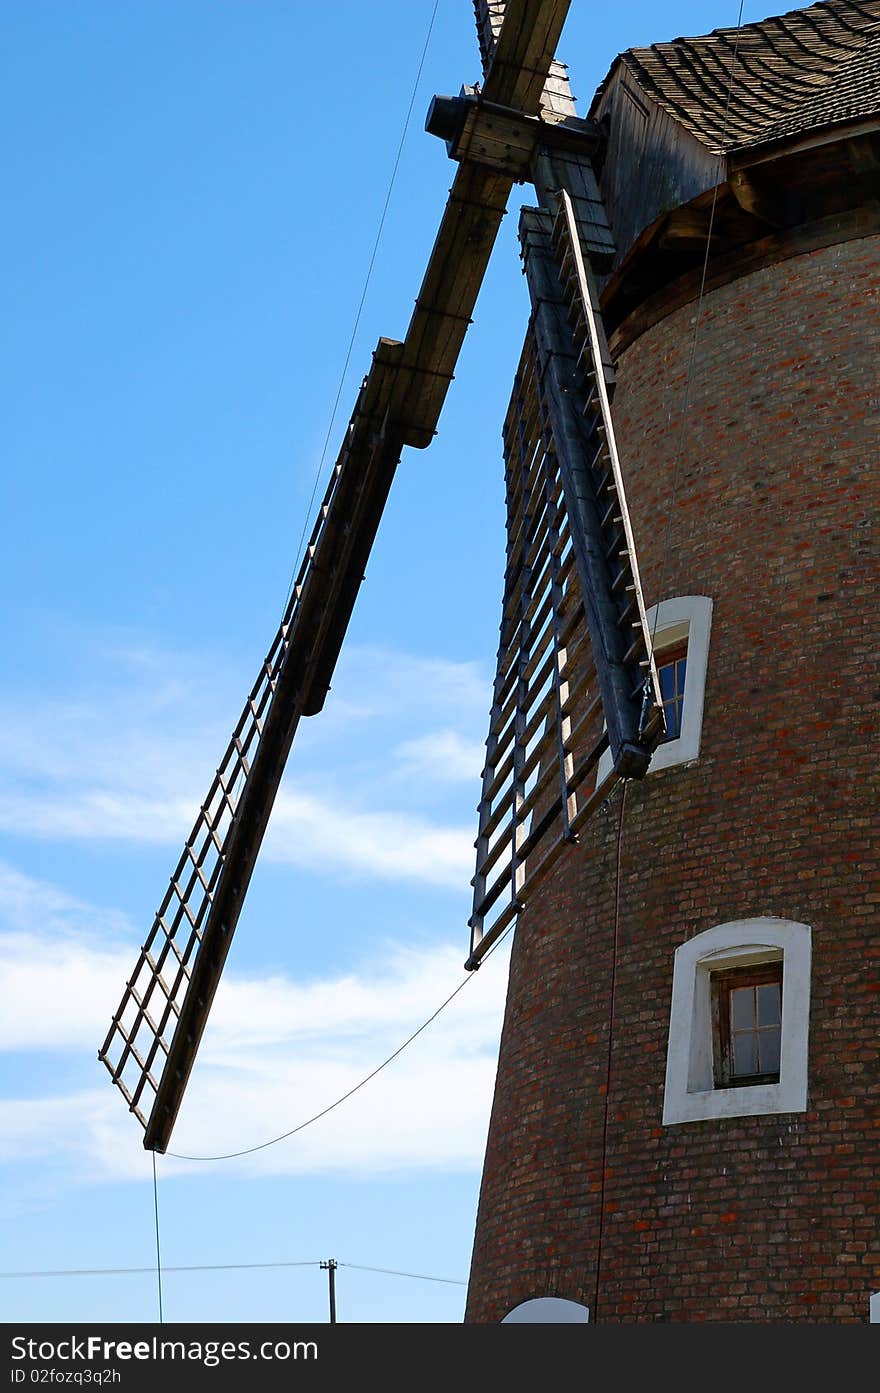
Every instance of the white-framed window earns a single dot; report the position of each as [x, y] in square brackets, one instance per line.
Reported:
[756, 972]
[680, 627]
[874, 1309]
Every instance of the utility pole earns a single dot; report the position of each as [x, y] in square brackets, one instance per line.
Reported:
[330, 1268]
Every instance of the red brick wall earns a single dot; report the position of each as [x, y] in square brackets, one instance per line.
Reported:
[775, 515]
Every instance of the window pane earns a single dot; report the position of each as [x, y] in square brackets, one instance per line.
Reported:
[770, 1004]
[742, 1008]
[769, 1050]
[673, 721]
[680, 669]
[667, 681]
[745, 1053]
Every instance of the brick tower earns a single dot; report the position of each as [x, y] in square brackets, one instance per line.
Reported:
[686, 1110]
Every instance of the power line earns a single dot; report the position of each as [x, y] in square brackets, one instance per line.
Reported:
[696, 335]
[390, 1272]
[221, 1267]
[158, 1250]
[663, 566]
[611, 1002]
[140, 1271]
[369, 274]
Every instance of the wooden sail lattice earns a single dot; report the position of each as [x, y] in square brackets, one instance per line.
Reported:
[546, 731]
[155, 1032]
[563, 620]
[164, 1005]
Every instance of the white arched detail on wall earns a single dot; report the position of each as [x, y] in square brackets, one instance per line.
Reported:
[548, 1310]
[690, 1094]
[679, 619]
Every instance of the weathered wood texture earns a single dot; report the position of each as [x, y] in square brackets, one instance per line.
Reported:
[557, 102]
[520, 63]
[545, 728]
[794, 202]
[681, 115]
[651, 164]
[780, 77]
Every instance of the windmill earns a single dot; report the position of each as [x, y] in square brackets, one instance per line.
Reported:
[575, 675]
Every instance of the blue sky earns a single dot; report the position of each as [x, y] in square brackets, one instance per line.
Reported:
[193, 191]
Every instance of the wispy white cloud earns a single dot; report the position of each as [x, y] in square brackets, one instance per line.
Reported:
[276, 1051]
[382, 681]
[99, 815]
[28, 905]
[134, 766]
[306, 831]
[442, 755]
[58, 994]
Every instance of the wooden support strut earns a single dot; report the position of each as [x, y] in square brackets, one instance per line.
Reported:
[507, 140]
[319, 621]
[566, 403]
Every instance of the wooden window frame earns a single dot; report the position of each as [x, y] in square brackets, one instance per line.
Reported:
[722, 984]
[665, 657]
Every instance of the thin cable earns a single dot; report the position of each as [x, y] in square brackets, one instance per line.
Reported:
[357, 318]
[158, 1251]
[614, 952]
[249, 1150]
[227, 1267]
[697, 321]
[139, 1271]
[418, 1276]
[663, 564]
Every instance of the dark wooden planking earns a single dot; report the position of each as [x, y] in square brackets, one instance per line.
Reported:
[581, 425]
[809, 196]
[739, 89]
[557, 103]
[753, 256]
[524, 53]
[347, 568]
[446, 299]
[651, 164]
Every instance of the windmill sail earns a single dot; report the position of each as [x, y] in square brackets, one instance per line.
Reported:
[156, 1029]
[575, 670]
[155, 1032]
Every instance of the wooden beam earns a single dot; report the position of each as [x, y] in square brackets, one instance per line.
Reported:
[524, 53]
[741, 261]
[556, 100]
[469, 226]
[318, 618]
[757, 198]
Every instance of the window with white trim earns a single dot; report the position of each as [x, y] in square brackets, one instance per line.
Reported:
[746, 1023]
[680, 629]
[739, 1022]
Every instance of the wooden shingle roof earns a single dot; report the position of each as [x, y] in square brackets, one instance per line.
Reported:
[773, 80]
